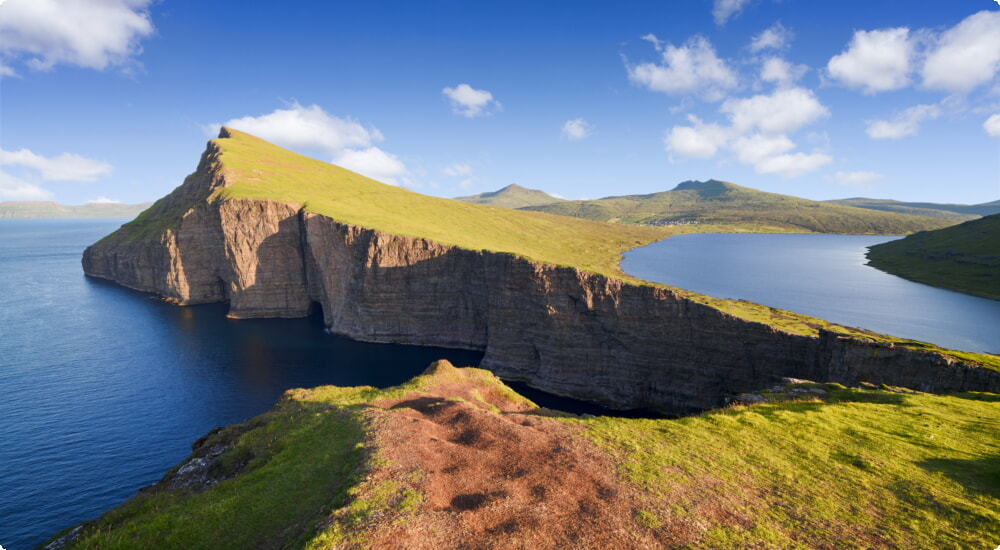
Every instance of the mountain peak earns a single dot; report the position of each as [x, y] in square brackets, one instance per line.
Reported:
[710, 185]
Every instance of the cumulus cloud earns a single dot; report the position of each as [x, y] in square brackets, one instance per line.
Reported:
[773, 38]
[306, 129]
[692, 68]
[699, 140]
[311, 129]
[781, 72]
[576, 129]
[965, 56]
[470, 102]
[65, 167]
[458, 170]
[875, 61]
[783, 111]
[16, 189]
[906, 123]
[375, 164]
[760, 147]
[792, 165]
[855, 178]
[992, 125]
[722, 10]
[97, 35]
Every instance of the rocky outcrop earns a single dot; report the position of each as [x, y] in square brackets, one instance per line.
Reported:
[557, 328]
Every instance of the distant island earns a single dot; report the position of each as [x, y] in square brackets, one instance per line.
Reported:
[49, 209]
[512, 196]
[965, 257]
[719, 202]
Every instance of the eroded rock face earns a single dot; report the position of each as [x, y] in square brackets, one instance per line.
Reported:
[559, 329]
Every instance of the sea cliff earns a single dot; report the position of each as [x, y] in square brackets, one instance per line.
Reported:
[559, 328]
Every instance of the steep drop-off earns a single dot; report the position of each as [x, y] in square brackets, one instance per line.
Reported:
[559, 328]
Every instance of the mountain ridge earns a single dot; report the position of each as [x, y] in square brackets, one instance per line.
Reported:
[512, 196]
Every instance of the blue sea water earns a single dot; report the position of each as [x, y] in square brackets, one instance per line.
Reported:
[105, 388]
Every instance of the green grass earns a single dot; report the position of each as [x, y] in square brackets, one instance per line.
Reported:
[851, 469]
[862, 469]
[964, 257]
[721, 203]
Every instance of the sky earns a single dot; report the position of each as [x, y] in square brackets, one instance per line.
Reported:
[114, 100]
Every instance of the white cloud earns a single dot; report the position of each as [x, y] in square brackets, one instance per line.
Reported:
[965, 56]
[906, 123]
[692, 68]
[855, 178]
[375, 164]
[15, 189]
[875, 61]
[792, 165]
[992, 125]
[103, 200]
[783, 111]
[773, 38]
[759, 147]
[781, 72]
[697, 141]
[65, 167]
[576, 129]
[722, 10]
[470, 102]
[307, 129]
[458, 170]
[86, 33]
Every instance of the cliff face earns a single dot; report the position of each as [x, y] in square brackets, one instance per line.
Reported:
[557, 328]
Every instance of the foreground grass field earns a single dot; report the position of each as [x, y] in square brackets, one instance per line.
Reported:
[819, 466]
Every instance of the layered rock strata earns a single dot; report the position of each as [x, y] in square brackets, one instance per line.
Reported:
[559, 329]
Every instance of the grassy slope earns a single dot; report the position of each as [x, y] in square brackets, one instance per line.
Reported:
[964, 257]
[717, 202]
[864, 468]
[261, 170]
[960, 212]
[512, 196]
[48, 209]
[258, 169]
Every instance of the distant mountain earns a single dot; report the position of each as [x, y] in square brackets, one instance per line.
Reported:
[512, 196]
[49, 209]
[959, 212]
[718, 202]
[963, 257]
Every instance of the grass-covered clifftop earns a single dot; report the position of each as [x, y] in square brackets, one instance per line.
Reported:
[723, 203]
[455, 459]
[964, 257]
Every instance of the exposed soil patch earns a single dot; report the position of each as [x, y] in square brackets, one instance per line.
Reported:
[487, 479]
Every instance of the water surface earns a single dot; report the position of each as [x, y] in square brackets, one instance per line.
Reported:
[822, 276]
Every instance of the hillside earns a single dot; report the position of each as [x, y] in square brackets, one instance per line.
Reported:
[958, 212]
[723, 203]
[455, 459]
[48, 209]
[964, 257]
[512, 196]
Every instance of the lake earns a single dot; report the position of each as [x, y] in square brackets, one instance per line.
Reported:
[105, 388]
[823, 276]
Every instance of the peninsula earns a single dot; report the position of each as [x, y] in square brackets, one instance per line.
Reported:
[275, 234]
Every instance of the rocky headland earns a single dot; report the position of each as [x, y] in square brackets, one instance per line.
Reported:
[559, 328]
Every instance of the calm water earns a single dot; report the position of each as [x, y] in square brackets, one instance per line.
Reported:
[824, 276]
[105, 388]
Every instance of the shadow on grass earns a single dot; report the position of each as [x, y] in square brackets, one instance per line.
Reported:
[979, 475]
[978, 396]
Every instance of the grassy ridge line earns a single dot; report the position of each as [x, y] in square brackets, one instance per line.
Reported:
[258, 169]
[49, 209]
[965, 257]
[960, 212]
[717, 202]
[261, 170]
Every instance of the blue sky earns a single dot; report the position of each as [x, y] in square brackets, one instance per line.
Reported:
[113, 100]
